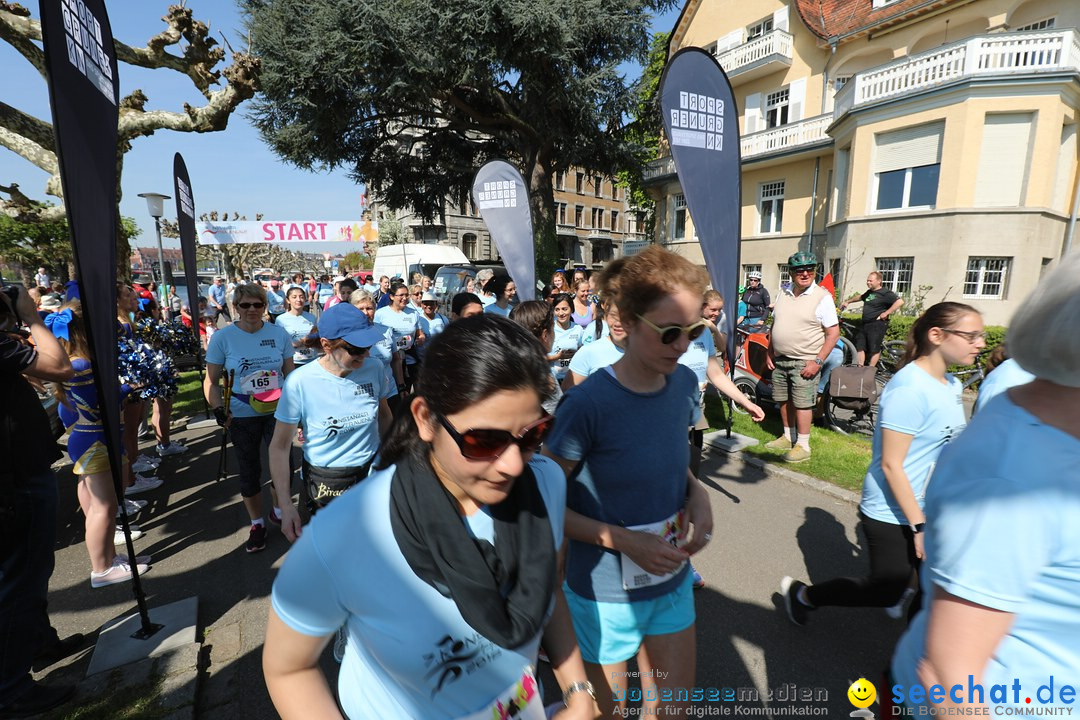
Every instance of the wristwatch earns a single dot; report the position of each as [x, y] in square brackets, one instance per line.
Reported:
[579, 687]
[917, 527]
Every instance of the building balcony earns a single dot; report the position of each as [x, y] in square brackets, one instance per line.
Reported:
[564, 229]
[982, 57]
[600, 234]
[660, 170]
[758, 57]
[795, 136]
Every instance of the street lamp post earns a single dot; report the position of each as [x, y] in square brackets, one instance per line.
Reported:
[155, 205]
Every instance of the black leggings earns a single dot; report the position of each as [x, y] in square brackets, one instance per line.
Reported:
[893, 568]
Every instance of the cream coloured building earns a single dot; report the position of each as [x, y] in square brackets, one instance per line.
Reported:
[933, 140]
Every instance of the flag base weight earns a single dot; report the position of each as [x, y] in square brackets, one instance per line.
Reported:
[121, 640]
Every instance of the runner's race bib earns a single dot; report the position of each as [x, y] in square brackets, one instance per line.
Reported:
[260, 381]
[564, 363]
[634, 576]
[521, 701]
[403, 342]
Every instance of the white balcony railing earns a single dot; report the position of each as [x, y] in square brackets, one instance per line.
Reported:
[659, 168]
[786, 137]
[981, 56]
[777, 42]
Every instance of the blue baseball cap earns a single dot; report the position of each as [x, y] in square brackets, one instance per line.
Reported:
[347, 322]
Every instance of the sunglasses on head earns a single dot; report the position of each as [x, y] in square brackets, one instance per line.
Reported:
[355, 351]
[250, 305]
[486, 444]
[671, 333]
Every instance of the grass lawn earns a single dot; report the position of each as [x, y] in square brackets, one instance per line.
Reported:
[839, 459]
[189, 399]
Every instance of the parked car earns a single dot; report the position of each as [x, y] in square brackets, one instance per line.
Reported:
[405, 259]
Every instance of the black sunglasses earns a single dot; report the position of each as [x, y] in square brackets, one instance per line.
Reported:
[250, 305]
[803, 269]
[355, 351]
[671, 333]
[486, 444]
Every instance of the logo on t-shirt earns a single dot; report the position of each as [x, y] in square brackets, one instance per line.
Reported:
[268, 343]
[455, 658]
[365, 389]
[348, 423]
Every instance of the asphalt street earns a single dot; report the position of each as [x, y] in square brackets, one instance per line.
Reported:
[766, 526]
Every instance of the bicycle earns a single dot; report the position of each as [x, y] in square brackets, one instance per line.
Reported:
[844, 415]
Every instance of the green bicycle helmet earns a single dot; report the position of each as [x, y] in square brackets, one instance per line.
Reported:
[802, 259]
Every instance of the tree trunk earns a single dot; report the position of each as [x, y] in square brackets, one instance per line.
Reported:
[538, 173]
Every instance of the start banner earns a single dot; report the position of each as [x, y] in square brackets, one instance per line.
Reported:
[287, 231]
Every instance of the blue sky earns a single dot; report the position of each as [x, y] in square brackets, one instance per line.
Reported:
[231, 170]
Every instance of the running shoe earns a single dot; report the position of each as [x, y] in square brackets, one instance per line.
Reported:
[897, 611]
[149, 459]
[142, 466]
[256, 541]
[133, 508]
[796, 611]
[172, 448]
[699, 582]
[274, 517]
[118, 536]
[142, 484]
[118, 573]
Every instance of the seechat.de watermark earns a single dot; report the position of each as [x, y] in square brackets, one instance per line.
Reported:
[974, 699]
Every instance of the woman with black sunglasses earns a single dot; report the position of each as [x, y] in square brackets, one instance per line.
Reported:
[257, 355]
[339, 401]
[632, 501]
[459, 529]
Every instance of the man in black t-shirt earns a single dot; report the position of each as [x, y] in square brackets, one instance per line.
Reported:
[27, 510]
[878, 305]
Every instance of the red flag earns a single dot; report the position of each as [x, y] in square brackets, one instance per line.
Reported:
[827, 283]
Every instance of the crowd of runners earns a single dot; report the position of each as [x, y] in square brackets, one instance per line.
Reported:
[519, 480]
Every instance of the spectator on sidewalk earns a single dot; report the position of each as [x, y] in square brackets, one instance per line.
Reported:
[28, 500]
[217, 299]
[41, 278]
[805, 329]
[878, 305]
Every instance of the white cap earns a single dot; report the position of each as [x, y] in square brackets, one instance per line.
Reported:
[428, 297]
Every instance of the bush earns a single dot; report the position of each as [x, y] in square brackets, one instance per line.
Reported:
[900, 326]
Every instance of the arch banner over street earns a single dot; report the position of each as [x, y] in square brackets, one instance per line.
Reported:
[287, 231]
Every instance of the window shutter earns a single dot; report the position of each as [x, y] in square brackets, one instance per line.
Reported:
[796, 99]
[1003, 160]
[732, 39]
[753, 112]
[780, 19]
[910, 147]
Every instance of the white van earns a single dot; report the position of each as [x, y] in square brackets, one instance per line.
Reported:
[405, 259]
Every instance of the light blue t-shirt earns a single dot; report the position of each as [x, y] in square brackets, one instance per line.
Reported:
[431, 328]
[339, 415]
[323, 292]
[496, 310]
[486, 300]
[410, 654]
[594, 356]
[917, 404]
[275, 302]
[403, 324]
[1003, 531]
[589, 334]
[696, 358]
[634, 471]
[299, 327]
[569, 339]
[1006, 375]
[252, 355]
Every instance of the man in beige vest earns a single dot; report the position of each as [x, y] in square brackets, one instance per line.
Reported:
[805, 329]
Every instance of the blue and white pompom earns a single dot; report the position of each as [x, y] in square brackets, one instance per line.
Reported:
[148, 370]
[172, 337]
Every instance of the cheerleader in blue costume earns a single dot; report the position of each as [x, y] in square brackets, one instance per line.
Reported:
[86, 446]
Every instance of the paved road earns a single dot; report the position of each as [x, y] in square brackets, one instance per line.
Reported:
[766, 527]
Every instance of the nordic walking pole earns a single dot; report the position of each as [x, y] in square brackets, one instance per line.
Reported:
[222, 465]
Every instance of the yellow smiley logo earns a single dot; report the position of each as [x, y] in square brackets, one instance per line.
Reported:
[862, 693]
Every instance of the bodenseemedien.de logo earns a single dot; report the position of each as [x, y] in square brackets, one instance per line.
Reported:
[1051, 698]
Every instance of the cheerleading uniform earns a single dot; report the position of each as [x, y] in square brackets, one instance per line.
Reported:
[80, 415]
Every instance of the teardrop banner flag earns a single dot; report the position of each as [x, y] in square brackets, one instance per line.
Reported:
[185, 218]
[701, 120]
[499, 192]
[84, 85]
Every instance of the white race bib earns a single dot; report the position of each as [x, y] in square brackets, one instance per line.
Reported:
[634, 576]
[403, 342]
[521, 701]
[260, 381]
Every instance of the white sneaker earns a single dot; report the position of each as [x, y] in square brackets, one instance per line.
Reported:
[141, 466]
[172, 448]
[141, 559]
[897, 611]
[119, 572]
[149, 459]
[118, 536]
[142, 484]
[133, 507]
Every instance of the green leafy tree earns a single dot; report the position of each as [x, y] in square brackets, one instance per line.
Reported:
[413, 96]
[26, 246]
